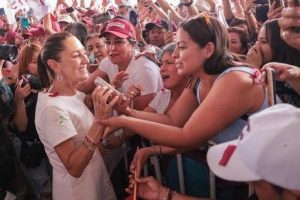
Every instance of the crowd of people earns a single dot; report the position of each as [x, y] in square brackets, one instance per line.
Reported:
[97, 100]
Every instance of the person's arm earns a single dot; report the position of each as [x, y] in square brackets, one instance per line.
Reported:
[149, 188]
[142, 155]
[191, 8]
[166, 6]
[87, 86]
[176, 116]
[250, 18]
[208, 119]
[161, 14]
[228, 14]
[286, 72]
[48, 24]
[239, 11]
[20, 117]
[75, 158]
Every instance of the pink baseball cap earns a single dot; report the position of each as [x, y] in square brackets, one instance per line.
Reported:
[35, 31]
[121, 28]
[10, 36]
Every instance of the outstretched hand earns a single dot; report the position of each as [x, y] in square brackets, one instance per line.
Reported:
[140, 157]
[112, 123]
[147, 188]
[283, 72]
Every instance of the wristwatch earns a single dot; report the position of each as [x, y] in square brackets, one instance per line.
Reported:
[188, 4]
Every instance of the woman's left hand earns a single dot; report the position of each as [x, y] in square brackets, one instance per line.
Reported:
[104, 100]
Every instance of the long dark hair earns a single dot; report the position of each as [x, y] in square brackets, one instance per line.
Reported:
[204, 29]
[51, 49]
[281, 51]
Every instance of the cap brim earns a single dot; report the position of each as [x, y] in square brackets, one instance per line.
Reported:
[120, 35]
[235, 169]
[150, 26]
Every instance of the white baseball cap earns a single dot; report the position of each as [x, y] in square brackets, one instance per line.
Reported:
[202, 5]
[65, 18]
[268, 149]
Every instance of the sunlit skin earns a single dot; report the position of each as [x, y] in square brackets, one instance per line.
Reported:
[97, 45]
[74, 61]
[156, 36]
[171, 79]
[235, 45]
[264, 45]
[189, 55]
[119, 50]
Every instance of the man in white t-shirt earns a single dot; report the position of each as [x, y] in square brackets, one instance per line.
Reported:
[120, 39]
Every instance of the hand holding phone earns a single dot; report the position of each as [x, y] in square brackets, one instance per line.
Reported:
[101, 82]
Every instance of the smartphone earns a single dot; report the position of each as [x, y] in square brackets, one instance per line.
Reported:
[133, 17]
[102, 18]
[2, 12]
[261, 13]
[69, 9]
[25, 22]
[101, 82]
[92, 58]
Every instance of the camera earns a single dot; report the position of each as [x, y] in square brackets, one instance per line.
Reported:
[33, 81]
[102, 18]
[8, 52]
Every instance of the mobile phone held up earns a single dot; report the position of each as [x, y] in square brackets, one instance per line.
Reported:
[92, 58]
[25, 23]
[261, 13]
[102, 18]
[2, 12]
[69, 9]
[133, 17]
[101, 82]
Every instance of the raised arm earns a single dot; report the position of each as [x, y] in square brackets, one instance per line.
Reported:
[208, 119]
[76, 158]
[20, 117]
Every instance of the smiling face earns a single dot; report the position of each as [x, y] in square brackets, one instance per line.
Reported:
[74, 61]
[235, 44]
[96, 45]
[190, 57]
[119, 50]
[171, 79]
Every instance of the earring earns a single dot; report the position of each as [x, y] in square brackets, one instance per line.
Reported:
[59, 77]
